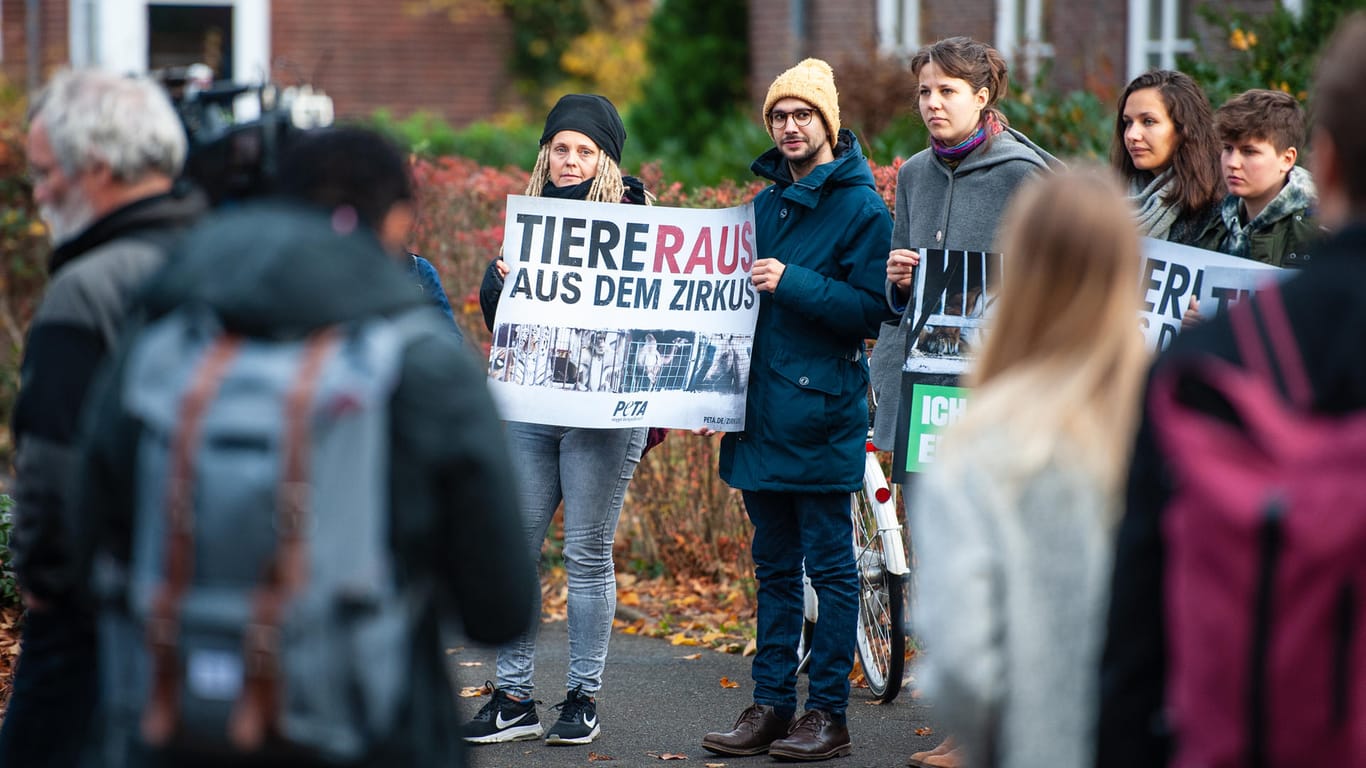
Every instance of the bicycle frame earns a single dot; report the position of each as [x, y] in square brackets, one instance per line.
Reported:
[882, 499]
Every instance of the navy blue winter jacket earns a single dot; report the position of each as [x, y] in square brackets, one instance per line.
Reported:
[806, 417]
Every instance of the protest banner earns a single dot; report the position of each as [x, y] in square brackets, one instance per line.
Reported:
[1222, 287]
[618, 315]
[950, 307]
[950, 301]
[1171, 275]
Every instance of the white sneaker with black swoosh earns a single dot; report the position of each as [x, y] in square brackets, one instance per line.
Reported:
[578, 723]
[502, 719]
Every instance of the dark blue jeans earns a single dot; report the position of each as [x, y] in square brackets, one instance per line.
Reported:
[790, 527]
[52, 707]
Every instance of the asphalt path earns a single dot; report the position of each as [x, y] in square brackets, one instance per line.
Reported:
[655, 702]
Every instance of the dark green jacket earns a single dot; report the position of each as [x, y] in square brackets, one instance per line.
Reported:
[1283, 234]
[1288, 243]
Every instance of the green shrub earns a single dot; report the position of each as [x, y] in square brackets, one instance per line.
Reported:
[9, 588]
[904, 136]
[732, 142]
[699, 60]
[505, 142]
[24, 250]
[1275, 50]
[1072, 125]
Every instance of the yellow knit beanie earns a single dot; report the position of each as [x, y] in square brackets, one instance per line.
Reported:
[811, 81]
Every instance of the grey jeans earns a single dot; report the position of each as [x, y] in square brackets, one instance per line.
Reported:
[589, 470]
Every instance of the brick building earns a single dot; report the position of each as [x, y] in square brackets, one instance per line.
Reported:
[372, 53]
[364, 53]
[1097, 45]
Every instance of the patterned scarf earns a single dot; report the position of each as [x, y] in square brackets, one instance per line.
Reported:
[1297, 195]
[989, 126]
[1154, 213]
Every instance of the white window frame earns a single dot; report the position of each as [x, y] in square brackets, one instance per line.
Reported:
[112, 35]
[1029, 53]
[898, 26]
[1144, 42]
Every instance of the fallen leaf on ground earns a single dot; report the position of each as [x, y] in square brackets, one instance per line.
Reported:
[594, 757]
[473, 691]
[691, 657]
[713, 765]
[471, 663]
[923, 731]
[667, 756]
[681, 639]
[726, 682]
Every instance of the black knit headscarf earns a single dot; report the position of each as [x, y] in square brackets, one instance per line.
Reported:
[589, 114]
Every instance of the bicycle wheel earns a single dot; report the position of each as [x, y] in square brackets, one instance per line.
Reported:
[881, 635]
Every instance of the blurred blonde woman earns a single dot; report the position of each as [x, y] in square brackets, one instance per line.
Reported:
[1013, 522]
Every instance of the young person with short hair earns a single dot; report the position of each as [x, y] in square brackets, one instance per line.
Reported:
[1269, 213]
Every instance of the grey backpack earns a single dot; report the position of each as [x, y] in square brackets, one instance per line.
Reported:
[260, 612]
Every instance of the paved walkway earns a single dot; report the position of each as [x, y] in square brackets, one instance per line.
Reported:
[654, 700]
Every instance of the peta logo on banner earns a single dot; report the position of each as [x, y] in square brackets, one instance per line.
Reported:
[629, 409]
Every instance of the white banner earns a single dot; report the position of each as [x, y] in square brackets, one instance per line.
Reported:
[618, 315]
[1225, 286]
[1171, 275]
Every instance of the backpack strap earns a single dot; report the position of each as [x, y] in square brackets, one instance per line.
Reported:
[159, 719]
[257, 709]
[1284, 349]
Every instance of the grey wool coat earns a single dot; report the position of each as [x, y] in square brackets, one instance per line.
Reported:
[951, 208]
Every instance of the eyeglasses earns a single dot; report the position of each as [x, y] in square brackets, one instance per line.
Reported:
[802, 117]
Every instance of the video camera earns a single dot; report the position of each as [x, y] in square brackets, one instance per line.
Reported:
[237, 132]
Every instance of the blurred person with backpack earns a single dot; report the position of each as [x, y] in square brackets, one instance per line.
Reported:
[104, 151]
[295, 476]
[1235, 633]
[360, 177]
[1013, 522]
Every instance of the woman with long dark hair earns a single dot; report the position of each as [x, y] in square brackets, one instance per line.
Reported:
[1165, 150]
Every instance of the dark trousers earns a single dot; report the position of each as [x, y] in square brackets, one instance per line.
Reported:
[816, 528]
[52, 706]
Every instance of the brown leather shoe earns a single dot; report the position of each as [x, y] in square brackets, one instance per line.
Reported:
[815, 736]
[757, 727]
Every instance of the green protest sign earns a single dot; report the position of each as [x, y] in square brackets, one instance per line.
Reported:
[933, 407]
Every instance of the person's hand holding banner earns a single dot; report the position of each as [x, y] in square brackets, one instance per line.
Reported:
[766, 274]
[901, 264]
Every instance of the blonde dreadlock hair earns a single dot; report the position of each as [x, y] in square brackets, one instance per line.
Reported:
[607, 184]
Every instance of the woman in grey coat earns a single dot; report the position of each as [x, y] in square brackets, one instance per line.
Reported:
[949, 196]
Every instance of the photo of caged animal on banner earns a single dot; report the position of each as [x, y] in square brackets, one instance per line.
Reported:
[950, 301]
[618, 315]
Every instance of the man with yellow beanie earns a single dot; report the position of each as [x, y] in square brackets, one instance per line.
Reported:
[822, 234]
